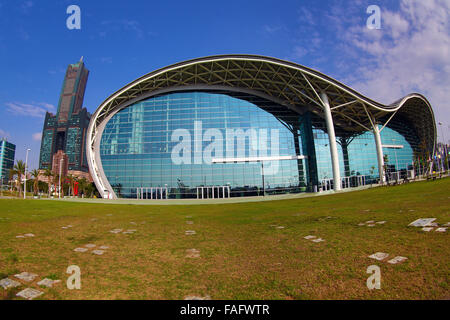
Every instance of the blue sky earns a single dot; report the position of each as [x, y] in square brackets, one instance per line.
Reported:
[123, 40]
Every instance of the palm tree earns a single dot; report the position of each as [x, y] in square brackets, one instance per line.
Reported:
[49, 175]
[19, 169]
[82, 184]
[55, 181]
[35, 173]
[11, 176]
[71, 180]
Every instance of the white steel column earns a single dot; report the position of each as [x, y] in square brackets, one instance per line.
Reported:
[379, 147]
[333, 147]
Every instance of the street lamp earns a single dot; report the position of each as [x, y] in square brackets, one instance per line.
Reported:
[442, 133]
[444, 144]
[60, 169]
[396, 160]
[25, 180]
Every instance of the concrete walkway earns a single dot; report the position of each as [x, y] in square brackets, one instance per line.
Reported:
[211, 201]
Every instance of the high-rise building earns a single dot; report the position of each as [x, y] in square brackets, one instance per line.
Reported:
[66, 131]
[7, 153]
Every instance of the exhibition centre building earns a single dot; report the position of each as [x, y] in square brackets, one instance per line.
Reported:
[244, 125]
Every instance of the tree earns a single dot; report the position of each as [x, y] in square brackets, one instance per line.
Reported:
[56, 181]
[71, 180]
[19, 170]
[35, 173]
[49, 175]
[82, 184]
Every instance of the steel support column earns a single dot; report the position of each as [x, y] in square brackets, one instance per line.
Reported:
[333, 147]
[379, 147]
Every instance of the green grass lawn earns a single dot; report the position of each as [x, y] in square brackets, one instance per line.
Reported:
[242, 256]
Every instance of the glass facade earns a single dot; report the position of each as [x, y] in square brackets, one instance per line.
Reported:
[7, 154]
[187, 142]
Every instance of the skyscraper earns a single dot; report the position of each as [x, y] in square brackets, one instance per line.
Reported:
[7, 154]
[66, 131]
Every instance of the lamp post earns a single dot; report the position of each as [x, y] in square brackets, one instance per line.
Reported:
[444, 144]
[442, 133]
[396, 160]
[25, 180]
[60, 169]
[263, 182]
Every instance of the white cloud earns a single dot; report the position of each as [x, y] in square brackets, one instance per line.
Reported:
[37, 136]
[4, 134]
[124, 25]
[411, 53]
[106, 59]
[36, 110]
[271, 29]
[26, 6]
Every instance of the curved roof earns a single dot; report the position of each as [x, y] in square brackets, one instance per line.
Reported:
[291, 85]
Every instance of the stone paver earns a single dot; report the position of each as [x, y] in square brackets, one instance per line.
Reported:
[30, 293]
[423, 222]
[116, 231]
[26, 276]
[441, 230]
[30, 235]
[9, 283]
[134, 223]
[98, 252]
[197, 298]
[379, 256]
[398, 259]
[192, 253]
[103, 247]
[80, 249]
[280, 227]
[427, 229]
[371, 223]
[190, 222]
[48, 282]
[318, 240]
[90, 245]
[20, 236]
[190, 232]
[309, 237]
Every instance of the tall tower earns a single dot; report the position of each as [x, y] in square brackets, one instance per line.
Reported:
[7, 153]
[66, 131]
